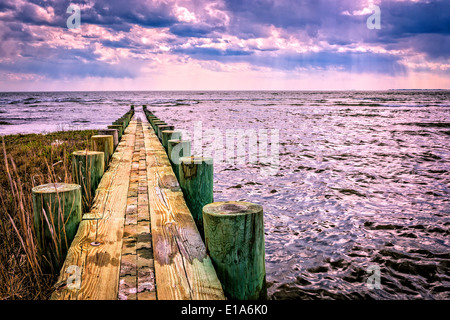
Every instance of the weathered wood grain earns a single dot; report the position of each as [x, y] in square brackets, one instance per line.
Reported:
[104, 143]
[196, 176]
[183, 270]
[139, 241]
[57, 209]
[96, 249]
[234, 234]
[87, 171]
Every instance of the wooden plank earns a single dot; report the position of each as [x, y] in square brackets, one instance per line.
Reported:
[104, 189]
[137, 276]
[183, 270]
[139, 204]
[96, 249]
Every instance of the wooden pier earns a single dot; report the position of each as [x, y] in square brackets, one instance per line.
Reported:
[139, 241]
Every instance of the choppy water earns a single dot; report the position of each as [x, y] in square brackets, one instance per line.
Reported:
[363, 178]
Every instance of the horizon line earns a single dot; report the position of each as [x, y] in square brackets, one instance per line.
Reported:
[235, 90]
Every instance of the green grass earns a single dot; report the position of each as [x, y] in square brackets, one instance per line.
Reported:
[28, 161]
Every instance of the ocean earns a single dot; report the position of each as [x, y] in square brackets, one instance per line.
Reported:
[355, 185]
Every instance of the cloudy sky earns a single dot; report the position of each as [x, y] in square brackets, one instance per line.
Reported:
[224, 45]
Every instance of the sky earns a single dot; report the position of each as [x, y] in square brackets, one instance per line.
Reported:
[224, 45]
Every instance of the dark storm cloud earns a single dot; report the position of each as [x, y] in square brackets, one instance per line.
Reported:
[197, 30]
[407, 28]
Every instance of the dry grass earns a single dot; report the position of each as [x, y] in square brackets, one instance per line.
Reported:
[28, 161]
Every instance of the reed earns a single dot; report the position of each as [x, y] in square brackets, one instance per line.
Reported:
[27, 161]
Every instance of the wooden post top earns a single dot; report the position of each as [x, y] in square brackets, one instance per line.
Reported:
[196, 160]
[176, 141]
[87, 152]
[107, 131]
[56, 187]
[232, 208]
[170, 131]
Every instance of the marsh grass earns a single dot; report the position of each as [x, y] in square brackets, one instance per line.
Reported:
[28, 161]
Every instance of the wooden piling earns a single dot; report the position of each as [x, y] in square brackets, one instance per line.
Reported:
[152, 122]
[156, 124]
[119, 129]
[105, 144]
[87, 171]
[161, 128]
[121, 123]
[196, 181]
[57, 213]
[169, 135]
[177, 149]
[234, 236]
[123, 120]
[152, 119]
[111, 132]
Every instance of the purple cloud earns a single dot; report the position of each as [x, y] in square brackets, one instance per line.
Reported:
[279, 34]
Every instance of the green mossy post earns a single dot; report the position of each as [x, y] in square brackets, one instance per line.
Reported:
[123, 120]
[57, 213]
[158, 123]
[161, 128]
[152, 122]
[196, 176]
[152, 119]
[169, 135]
[105, 144]
[111, 132]
[121, 123]
[119, 129]
[234, 237]
[87, 171]
[177, 149]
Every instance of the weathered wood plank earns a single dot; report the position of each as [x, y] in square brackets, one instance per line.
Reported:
[140, 223]
[104, 189]
[182, 267]
[137, 276]
[97, 246]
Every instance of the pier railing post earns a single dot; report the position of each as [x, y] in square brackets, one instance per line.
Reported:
[121, 122]
[87, 171]
[234, 237]
[196, 179]
[156, 124]
[163, 126]
[104, 144]
[177, 149]
[119, 129]
[169, 135]
[57, 213]
[111, 132]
